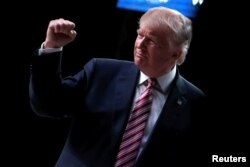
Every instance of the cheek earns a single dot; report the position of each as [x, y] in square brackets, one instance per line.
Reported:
[160, 58]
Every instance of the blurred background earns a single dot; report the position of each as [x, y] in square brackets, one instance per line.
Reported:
[216, 62]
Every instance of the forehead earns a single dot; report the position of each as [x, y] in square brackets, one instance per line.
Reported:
[158, 32]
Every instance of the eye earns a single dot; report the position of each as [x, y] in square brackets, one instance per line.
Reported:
[151, 41]
[139, 35]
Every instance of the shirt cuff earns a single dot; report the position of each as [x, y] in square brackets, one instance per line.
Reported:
[48, 50]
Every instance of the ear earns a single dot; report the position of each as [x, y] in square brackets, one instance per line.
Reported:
[177, 53]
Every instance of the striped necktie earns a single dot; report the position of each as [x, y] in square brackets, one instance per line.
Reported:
[133, 133]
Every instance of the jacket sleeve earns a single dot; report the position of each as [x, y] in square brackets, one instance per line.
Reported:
[50, 94]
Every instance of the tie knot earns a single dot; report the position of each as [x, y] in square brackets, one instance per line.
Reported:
[151, 82]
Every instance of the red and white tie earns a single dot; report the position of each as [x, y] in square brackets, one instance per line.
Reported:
[135, 128]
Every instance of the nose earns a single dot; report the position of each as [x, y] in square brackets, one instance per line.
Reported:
[141, 42]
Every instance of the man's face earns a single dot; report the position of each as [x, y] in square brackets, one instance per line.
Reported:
[152, 52]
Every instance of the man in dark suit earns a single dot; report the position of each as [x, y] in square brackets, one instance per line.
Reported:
[100, 97]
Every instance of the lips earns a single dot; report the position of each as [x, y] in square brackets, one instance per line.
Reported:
[139, 54]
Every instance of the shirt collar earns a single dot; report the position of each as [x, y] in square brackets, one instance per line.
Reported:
[164, 81]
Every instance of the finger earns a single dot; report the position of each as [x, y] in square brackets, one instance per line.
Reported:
[72, 34]
[64, 26]
[70, 25]
[57, 25]
[67, 27]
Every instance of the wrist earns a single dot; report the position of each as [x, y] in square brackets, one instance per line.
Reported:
[47, 45]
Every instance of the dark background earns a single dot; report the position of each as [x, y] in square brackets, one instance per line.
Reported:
[216, 62]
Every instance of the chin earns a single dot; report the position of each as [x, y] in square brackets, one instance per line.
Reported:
[137, 61]
[140, 65]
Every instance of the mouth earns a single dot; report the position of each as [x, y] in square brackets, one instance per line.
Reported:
[139, 54]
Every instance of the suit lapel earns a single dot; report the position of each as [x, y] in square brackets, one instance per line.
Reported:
[174, 104]
[124, 93]
[172, 107]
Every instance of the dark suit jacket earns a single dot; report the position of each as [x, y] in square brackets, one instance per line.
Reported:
[99, 98]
